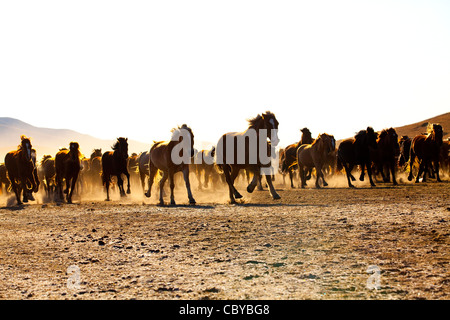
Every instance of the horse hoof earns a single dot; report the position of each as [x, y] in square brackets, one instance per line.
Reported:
[250, 189]
[128, 191]
[237, 195]
[107, 199]
[172, 203]
[147, 194]
[161, 204]
[409, 178]
[276, 196]
[192, 201]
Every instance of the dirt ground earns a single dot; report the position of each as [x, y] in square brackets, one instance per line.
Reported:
[332, 243]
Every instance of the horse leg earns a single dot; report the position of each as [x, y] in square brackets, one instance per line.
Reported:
[16, 189]
[412, 157]
[127, 174]
[361, 177]
[188, 184]
[233, 176]
[69, 196]
[161, 188]
[172, 187]
[302, 176]
[272, 190]
[254, 182]
[392, 167]
[120, 185]
[369, 173]
[348, 172]
[291, 176]
[151, 176]
[436, 169]
[226, 171]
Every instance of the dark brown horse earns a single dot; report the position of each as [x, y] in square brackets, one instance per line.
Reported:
[114, 163]
[94, 173]
[427, 149]
[386, 154]
[67, 168]
[4, 181]
[171, 157]
[444, 157]
[248, 150]
[405, 145]
[47, 174]
[315, 155]
[20, 167]
[289, 157]
[356, 151]
[144, 157]
[133, 168]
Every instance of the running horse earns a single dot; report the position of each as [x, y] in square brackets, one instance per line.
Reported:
[114, 163]
[20, 167]
[315, 155]
[288, 158]
[386, 154]
[248, 150]
[170, 158]
[354, 151]
[67, 167]
[427, 149]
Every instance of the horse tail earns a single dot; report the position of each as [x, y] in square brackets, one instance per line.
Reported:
[295, 163]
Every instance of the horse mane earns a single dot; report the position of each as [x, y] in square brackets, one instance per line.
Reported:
[253, 122]
[22, 139]
[432, 126]
[118, 142]
[184, 127]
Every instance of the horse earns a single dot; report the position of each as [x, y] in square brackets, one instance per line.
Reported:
[427, 149]
[354, 151]
[168, 157]
[114, 163]
[405, 145]
[315, 155]
[4, 181]
[201, 166]
[247, 150]
[444, 157]
[386, 154]
[133, 167]
[20, 168]
[144, 157]
[47, 174]
[67, 168]
[288, 158]
[93, 175]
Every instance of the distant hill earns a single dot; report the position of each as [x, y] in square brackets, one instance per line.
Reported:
[48, 141]
[414, 129]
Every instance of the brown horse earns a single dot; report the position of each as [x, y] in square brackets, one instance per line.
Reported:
[386, 154]
[444, 157]
[144, 157]
[427, 149]
[20, 167]
[114, 163]
[205, 169]
[4, 181]
[47, 172]
[405, 145]
[133, 167]
[289, 157]
[94, 173]
[354, 151]
[248, 150]
[67, 168]
[171, 157]
[315, 155]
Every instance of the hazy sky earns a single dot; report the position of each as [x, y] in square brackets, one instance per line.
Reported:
[139, 68]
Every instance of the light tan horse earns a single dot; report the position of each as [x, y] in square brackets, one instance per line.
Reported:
[315, 155]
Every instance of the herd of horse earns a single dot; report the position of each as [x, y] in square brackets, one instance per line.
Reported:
[377, 153]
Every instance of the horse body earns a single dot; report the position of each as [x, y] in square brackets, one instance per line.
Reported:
[47, 174]
[356, 151]
[315, 155]
[202, 167]
[4, 181]
[114, 163]
[386, 154]
[161, 158]
[21, 170]
[67, 168]
[143, 160]
[427, 149]
[289, 157]
[247, 156]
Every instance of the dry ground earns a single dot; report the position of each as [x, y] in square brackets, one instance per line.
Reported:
[311, 244]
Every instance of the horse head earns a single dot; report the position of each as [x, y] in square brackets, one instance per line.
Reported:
[182, 133]
[25, 146]
[306, 136]
[436, 132]
[74, 151]
[371, 137]
[121, 146]
[271, 124]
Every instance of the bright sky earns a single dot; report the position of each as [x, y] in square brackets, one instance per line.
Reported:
[139, 68]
